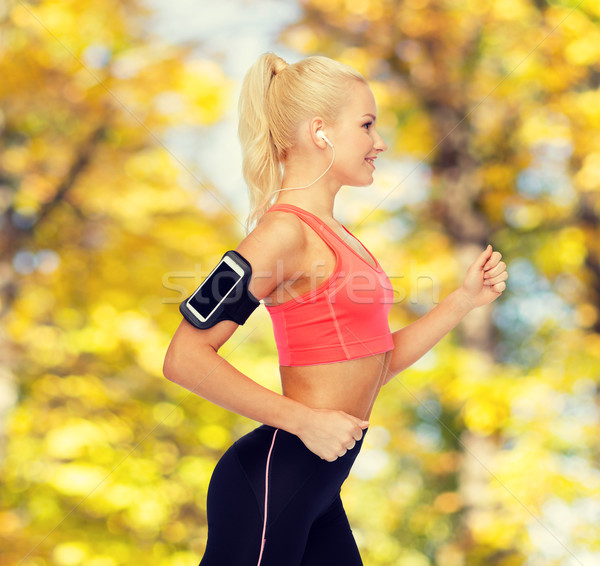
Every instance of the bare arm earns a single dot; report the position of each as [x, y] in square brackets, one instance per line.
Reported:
[193, 361]
[483, 284]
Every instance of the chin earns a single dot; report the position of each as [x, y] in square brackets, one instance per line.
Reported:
[366, 183]
[358, 183]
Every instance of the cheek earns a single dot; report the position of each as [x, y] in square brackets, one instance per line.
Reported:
[368, 141]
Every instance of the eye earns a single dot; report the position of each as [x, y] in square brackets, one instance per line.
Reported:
[367, 125]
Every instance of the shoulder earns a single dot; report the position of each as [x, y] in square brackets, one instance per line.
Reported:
[282, 224]
[277, 235]
[274, 249]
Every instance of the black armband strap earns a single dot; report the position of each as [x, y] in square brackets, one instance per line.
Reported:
[223, 295]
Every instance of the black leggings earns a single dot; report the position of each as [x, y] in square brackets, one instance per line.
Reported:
[306, 522]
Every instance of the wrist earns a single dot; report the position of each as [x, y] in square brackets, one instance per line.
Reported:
[462, 302]
[297, 415]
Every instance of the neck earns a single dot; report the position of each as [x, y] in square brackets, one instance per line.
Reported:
[315, 199]
[309, 171]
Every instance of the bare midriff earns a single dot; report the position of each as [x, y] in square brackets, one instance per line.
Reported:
[350, 386]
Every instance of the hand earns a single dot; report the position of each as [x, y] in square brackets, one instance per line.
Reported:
[330, 434]
[485, 279]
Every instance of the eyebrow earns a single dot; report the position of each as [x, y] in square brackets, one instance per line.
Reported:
[371, 116]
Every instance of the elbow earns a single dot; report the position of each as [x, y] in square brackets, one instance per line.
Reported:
[391, 374]
[182, 365]
[169, 365]
[397, 368]
[173, 362]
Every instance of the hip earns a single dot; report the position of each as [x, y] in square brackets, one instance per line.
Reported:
[294, 471]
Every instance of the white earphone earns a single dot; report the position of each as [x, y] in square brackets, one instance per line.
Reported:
[322, 136]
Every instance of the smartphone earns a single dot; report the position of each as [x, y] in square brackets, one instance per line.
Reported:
[215, 289]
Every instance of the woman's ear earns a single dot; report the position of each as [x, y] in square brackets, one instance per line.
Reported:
[317, 135]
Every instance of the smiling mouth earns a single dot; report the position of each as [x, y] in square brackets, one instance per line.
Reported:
[370, 161]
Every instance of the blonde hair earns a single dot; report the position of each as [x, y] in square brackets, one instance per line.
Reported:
[274, 100]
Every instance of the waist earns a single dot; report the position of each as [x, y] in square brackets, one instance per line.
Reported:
[351, 386]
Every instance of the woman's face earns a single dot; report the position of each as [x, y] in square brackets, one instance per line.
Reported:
[355, 138]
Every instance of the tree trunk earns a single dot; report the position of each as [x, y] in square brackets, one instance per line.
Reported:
[456, 208]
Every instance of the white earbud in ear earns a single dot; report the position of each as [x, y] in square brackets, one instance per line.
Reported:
[321, 135]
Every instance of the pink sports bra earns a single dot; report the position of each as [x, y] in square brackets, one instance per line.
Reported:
[345, 317]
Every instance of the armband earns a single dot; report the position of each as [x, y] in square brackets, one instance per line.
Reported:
[223, 295]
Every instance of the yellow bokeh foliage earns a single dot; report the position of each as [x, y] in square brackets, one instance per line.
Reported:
[472, 452]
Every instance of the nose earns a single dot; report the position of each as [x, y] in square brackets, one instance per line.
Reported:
[379, 144]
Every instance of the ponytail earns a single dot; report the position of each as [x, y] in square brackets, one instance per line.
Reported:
[274, 99]
[261, 164]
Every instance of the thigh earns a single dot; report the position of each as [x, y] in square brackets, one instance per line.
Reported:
[306, 506]
[293, 497]
[302, 504]
[233, 516]
[236, 501]
[330, 540]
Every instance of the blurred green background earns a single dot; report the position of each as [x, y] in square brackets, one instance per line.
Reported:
[120, 187]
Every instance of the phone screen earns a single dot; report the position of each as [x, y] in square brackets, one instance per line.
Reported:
[214, 289]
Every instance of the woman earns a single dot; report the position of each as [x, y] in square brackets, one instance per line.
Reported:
[274, 498]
